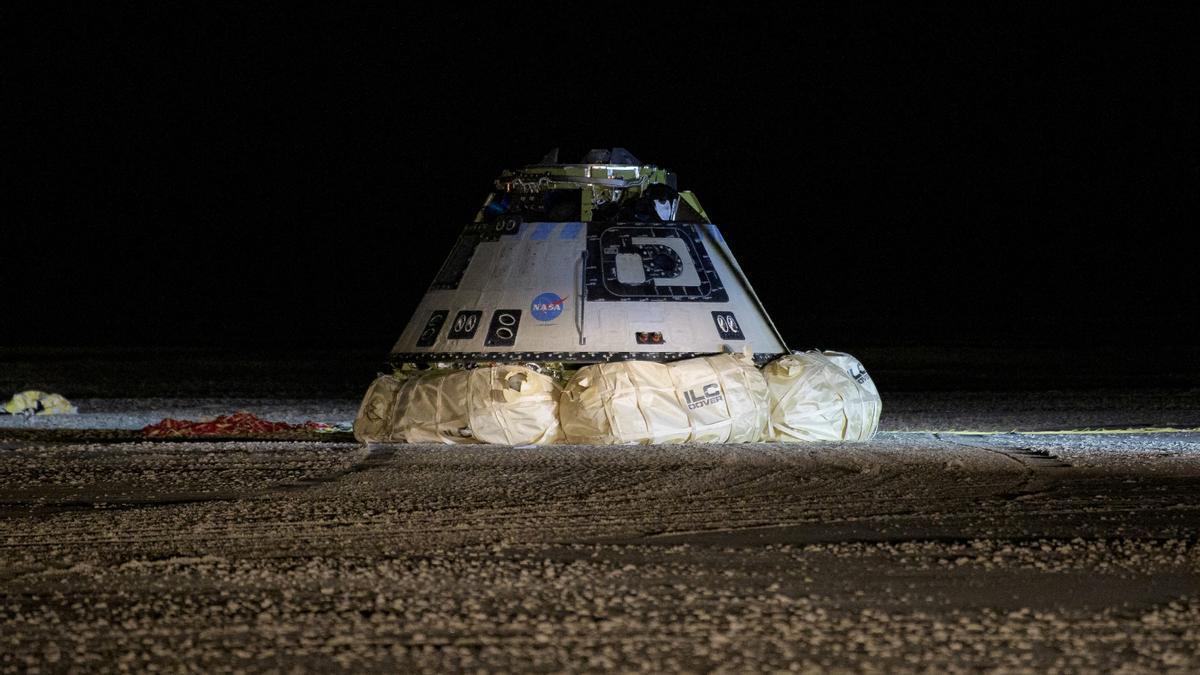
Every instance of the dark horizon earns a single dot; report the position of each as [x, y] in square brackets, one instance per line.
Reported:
[883, 177]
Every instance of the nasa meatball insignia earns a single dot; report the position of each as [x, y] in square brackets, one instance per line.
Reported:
[547, 306]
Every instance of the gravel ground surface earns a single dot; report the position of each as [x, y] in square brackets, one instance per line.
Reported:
[903, 411]
[133, 414]
[923, 550]
[916, 552]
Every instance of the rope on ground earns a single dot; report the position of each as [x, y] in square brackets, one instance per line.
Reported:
[1055, 432]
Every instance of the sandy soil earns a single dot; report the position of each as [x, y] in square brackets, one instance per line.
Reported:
[915, 552]
[921, 551]
[903, 411]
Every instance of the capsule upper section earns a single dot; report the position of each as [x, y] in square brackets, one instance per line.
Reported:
[606, 186]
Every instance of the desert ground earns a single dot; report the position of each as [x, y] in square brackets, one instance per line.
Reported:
[949, 543]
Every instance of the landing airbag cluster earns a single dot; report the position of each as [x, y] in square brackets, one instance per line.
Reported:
[809, 396]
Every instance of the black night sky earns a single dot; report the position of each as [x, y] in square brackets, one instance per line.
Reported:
[886, 175]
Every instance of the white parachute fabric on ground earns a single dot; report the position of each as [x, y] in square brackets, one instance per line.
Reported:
[35, 402]
[374, 419]
[716, 399]
[513, 405]
[813, 398]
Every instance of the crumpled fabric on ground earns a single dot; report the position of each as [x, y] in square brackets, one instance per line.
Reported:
[34, 402]
[237, 424]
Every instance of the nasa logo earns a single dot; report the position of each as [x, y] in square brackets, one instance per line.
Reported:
[547, 306]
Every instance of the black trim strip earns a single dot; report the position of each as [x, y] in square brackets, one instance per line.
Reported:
[397, 358]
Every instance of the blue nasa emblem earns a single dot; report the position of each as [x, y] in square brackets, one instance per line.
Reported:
[547, 306]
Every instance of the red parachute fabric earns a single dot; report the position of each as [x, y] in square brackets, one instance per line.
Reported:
[237, 424]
